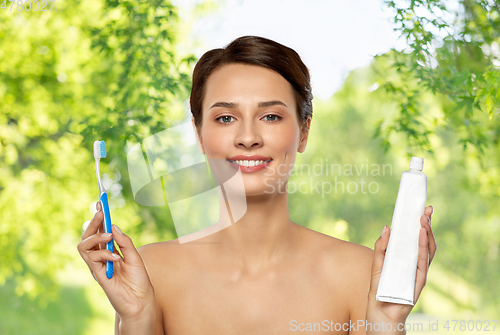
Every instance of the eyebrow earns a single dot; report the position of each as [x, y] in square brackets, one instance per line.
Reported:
[235, 105]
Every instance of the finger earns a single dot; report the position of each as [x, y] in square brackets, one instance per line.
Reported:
[97, 261]
[428, 211]
[88, 245]
[98, 208]
[378, 259]
[115, 248]
[126, 245]
[422, 263]
[94, 225]
[100, 230]
[101, 245]
[424, 222]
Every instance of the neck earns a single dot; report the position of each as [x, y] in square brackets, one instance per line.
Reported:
[264, 235]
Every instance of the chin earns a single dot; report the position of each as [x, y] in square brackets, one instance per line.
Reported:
[251, 189]
[260, 188]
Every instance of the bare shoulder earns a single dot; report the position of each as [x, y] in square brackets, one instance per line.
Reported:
[161, 256]
[335, 248]
[155, 250]
[343, 259]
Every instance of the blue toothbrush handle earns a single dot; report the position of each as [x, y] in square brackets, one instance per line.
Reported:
[107, 229]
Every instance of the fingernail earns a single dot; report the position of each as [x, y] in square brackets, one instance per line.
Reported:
[106, 235]
[428, 219]
[382, 233]
[115, 256]
[118, 229]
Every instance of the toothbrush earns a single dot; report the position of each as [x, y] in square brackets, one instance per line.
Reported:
[100, 152]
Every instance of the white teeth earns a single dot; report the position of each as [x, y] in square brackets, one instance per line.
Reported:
[249, 163]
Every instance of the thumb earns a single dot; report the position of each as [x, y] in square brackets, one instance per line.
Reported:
[378, 259]
[130, 254]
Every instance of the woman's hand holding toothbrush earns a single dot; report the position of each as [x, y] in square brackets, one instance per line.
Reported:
[129, 290]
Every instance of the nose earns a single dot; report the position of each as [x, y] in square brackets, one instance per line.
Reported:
[248, 135]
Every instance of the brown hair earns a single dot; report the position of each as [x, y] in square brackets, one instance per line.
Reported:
[254, 50]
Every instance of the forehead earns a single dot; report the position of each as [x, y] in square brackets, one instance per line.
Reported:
[247, 84]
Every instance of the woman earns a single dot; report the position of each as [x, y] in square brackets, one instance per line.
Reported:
[263, 274]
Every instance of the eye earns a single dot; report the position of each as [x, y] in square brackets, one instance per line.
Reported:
[276, 117]
[224, 118]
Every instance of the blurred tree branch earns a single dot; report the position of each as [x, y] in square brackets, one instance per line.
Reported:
[453, 54]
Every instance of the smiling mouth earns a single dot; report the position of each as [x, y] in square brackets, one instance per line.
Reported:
[249, 163]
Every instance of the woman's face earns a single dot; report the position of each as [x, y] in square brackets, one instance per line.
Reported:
[250, 110]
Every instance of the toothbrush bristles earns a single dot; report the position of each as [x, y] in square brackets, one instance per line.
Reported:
[99, 149]
[103, 149]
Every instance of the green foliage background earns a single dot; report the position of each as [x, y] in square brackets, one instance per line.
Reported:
[112, 70]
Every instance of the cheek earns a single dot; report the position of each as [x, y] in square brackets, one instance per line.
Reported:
[216, 143]
[283, 140]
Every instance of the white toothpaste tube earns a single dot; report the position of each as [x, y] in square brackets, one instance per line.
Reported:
[397, 280]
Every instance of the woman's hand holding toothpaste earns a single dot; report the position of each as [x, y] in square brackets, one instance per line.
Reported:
[129, 290]
[385, 312]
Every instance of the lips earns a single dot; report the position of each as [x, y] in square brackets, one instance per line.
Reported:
[249, 158]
